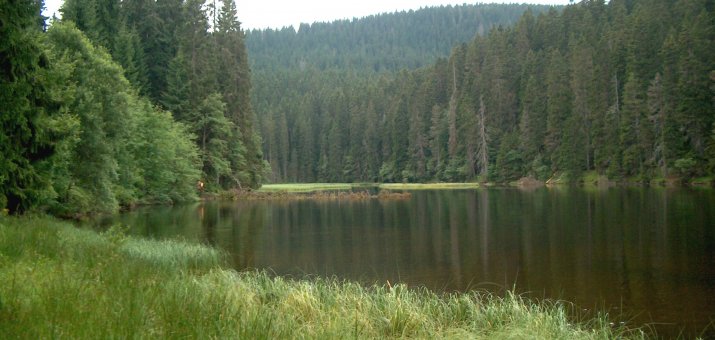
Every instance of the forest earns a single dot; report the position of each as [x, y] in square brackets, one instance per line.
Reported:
[378, 43]
[622, 89]
[122, 103]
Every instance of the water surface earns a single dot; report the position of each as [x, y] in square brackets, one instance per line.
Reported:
[646, 256]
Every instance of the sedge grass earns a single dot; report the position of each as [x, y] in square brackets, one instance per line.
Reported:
[312, 187]
[304, 187]
[57, 281]
[428, 186]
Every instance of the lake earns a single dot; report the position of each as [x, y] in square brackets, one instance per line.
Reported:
[644, 255]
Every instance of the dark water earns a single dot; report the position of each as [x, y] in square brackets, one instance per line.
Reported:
[646, 256]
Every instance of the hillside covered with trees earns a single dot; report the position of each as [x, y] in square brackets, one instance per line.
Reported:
[130, 102]
[623, 89]
[290, 68]
[123, 103]
[377, 43]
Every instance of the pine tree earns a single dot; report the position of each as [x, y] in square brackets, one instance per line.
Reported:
[659, 114]
[25, 137]
[176, 97]
[130, 54]
[558, 107]
[212, 128]
[483, 138]
[532, 125]
[694, 106]
[632, 119]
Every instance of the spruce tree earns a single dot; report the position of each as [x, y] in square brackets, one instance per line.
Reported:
[26, 138]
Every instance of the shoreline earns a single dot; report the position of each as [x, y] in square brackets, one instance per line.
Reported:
[57, 279]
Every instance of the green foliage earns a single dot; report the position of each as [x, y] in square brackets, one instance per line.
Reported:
[169, 53]
[101, 102]
[622, 90]
[387, 173]
[212, 127]
[685, 166]
[116, 148]
[510, 161]
[383, 42]
[167, 157]
[539, 169]
[382, 115]
[711, 151]
[27, 132]
[78, 137]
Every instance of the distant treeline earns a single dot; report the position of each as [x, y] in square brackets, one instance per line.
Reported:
[123, 103]
[623, 88]
[377, 43]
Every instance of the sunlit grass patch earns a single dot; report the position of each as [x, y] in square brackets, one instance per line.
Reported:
[305, 187]
[428, 186]
[702, 181]
[310, 187]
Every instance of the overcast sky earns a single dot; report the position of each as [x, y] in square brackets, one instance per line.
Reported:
[280, 13]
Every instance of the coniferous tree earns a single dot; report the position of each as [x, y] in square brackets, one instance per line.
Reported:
[558, 107]
[26, 135]
[122, 151]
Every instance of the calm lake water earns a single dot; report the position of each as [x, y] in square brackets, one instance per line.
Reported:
[646, 256]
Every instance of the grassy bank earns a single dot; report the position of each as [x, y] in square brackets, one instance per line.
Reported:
[304, 187]
[428, 186]
[57, 281]
[592, 178]
[318, 195]
[311, 187]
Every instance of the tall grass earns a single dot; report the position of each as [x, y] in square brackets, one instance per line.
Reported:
[311, 187]
[428, 186]
[304, 187]
[57, 281]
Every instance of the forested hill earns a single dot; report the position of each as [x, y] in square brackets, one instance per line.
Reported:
[384, 42]
[622, 89]
[297, 76]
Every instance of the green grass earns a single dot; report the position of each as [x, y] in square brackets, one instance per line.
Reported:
[702, 181]
[428, 186]
[304, 187]
[311, 187]
[57, 281]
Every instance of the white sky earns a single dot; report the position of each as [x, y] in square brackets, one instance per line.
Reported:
[281, 13]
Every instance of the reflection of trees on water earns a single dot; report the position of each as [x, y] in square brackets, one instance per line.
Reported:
[484, 231]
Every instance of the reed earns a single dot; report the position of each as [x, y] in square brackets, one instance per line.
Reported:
[58, 281]
[428, 186]
[305, 187]
[320, 195]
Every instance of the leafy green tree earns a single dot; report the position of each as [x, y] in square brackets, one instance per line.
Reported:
[510, 161]
[122, 150]
[211, 126]
[101, 103]
[166, 156]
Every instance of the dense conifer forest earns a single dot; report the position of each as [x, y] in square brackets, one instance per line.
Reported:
[378, 43]
[122, 103]
[129, 102]
[623, 89]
